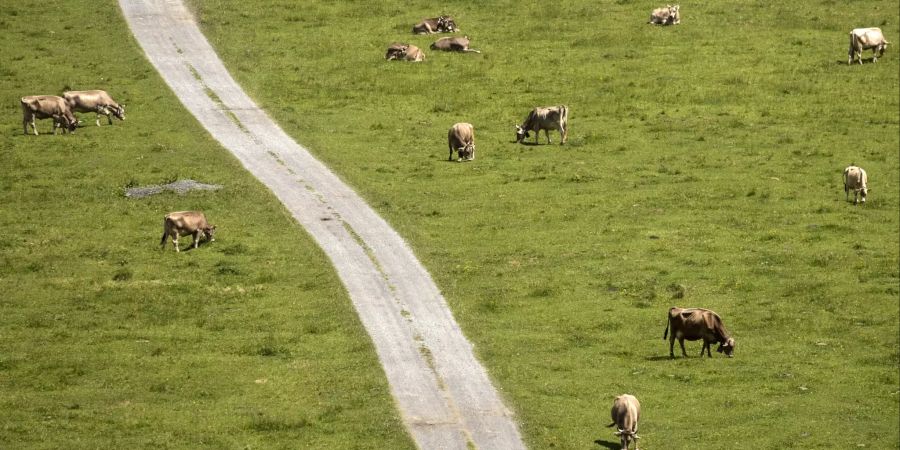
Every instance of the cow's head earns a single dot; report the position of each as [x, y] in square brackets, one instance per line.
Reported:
[446, 24]
[626, 437]
[465, 153]
[862, 193]
[727, 347]
[119, 112]
[521, 133]
[70, 124]
[209, 232]
[396, 51]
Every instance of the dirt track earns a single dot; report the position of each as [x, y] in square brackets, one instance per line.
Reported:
[446, 401]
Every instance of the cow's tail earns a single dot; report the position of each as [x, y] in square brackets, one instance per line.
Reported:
[666, 333]
[611, 424]
[162, 241]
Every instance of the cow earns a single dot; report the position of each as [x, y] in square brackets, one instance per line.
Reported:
[461, 138]
[453, 44]
[626, 411]
[545, 118]
[864, 39]
[855, 179]
[404, 52]
[670, 15]
[698, 323]
[442, 24]
[95, 101]
[45, 107]
[182, 223]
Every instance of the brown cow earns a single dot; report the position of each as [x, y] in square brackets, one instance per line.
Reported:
[95, 101]
[182, 223]
[453, 44]
[545, 118]
[626, 411]
[442, 24]
[669, 15]
[855, 179]
[45, 107]
[404, 52]
[697, 323]
[461, 138]
[864, 39]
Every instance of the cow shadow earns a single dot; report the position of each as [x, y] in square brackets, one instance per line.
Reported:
[530, 144]
[659, 358]
[608, 444]
[854, 63]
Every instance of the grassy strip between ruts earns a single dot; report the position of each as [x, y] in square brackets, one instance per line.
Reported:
[107, 341]
[703, 169]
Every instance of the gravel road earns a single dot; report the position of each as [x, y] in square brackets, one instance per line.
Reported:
[443, 393]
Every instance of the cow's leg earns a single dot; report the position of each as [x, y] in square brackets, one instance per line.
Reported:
[450, 158]
[175, 242]
[196, 242]
[563, 135]
[681, 343]
[56, 125]
[672, 345]
[547, 132]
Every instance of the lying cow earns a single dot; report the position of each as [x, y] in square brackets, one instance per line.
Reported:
[545, 118]
[855, 179]
[453, 44]
[669, 15]
[404, 52]
[864, 39]
[46, 107]
[442, 24]
[95, 101]
[626, 411]
[461, 138]
[182, 223]
[697, 323]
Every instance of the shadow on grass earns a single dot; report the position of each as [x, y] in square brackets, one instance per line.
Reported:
[608, 444]
[855, 62]
[658, 358]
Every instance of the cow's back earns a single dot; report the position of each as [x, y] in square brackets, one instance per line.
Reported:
[626, 412]
[188, 221]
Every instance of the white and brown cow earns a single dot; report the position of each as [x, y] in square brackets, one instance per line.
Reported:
[864, 39]
[96, 101]
[545, 118]
[404, 52]
[698, 323]
[855, 179]
[441, 24]
[626, 412]
[670, 15]
[461, 138]
[46, 107]
[183, 223]
[453, 44]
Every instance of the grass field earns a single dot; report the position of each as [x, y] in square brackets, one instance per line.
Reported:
[703, 159]
[108, 342]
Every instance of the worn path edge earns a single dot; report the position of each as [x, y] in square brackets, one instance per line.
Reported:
[444, 395]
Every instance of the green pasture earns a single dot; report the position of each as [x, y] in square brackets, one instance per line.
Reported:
[107, 342]
[702, 169]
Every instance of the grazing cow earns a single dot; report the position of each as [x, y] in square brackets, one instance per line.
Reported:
[182, 223]
[453, 44]
[45, 107]
[864, 39]
[855, 178]
[545, 118]
[442, 24]
[461, 138]
[697, 323]
[95, 101]
[626, 411]
[404, 52]
[670, 15]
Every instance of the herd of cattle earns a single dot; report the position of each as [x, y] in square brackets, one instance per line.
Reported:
[686, 324]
